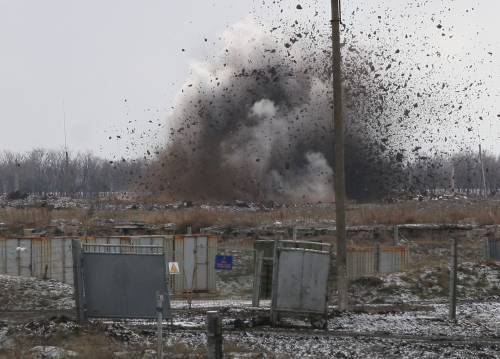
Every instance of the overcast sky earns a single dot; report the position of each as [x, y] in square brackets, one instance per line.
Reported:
[117, 64]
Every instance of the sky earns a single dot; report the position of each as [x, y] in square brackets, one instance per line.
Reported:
[108, 71]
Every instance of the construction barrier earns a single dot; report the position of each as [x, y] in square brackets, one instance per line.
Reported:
[492, 248]
[363, 261]
[51, 258]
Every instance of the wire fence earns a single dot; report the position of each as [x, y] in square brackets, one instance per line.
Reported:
[251, 271]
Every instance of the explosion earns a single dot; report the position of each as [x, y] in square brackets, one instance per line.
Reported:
[255, 122]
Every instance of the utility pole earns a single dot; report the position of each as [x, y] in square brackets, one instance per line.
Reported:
[452, 309]
[66, 156]
[338, 127]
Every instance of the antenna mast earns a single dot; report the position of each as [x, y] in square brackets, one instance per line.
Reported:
[66, 159]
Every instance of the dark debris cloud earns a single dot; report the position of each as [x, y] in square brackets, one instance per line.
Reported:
[255, 122]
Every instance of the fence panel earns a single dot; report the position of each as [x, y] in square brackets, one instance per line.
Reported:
[361, 261]
[121, 283]
[51, 258]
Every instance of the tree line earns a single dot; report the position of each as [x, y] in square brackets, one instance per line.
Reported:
[48, 171]
[461, 172]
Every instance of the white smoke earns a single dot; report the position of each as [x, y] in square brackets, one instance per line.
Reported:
[264, 108]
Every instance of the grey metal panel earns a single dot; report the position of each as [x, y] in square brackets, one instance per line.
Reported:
[289, 280]
[212, 252]
[392, 260]
[37, 253]
[3, 256]
[386, 262]
[179, 258]
[102, 240]
[57, 265]
[201, 253]
[123, 285]
[315, 281]
[24, 257]
[168, 250]
[114, 240]
[157, 241]
[10, 249]
[494, 248]
[68, 263]
[302, 280]
[141, 241]
[189, 265]
[168, 247]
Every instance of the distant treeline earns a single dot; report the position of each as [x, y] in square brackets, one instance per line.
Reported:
[461, 172]
[47, 171]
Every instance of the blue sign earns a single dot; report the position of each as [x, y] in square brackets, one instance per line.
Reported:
[224, 262]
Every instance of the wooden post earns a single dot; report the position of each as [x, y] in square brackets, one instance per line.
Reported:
[453, 281]
[256, 278]
[274, 290]
[81, 314]
[159, 311]
[214, 335]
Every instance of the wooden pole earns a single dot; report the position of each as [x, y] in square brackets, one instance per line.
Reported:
[453, 281]
[81, 314]
[259, 255]
[338, 122]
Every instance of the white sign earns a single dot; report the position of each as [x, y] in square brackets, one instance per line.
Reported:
[173, 268]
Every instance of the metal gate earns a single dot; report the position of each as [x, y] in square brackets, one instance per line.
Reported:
[195, 263]
[195, 254]
[119, 281]
[300, 282]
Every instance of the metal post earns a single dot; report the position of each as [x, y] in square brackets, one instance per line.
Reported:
[159, 311]
[338, 122]
[453, 281]
[214, 335]
[256, 278]
[18, 257]
[81, 314]
[396, 236]
[63, 242]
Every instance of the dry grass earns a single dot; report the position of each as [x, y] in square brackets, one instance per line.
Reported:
[92, 342]
[480, 212]
[87, 345]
